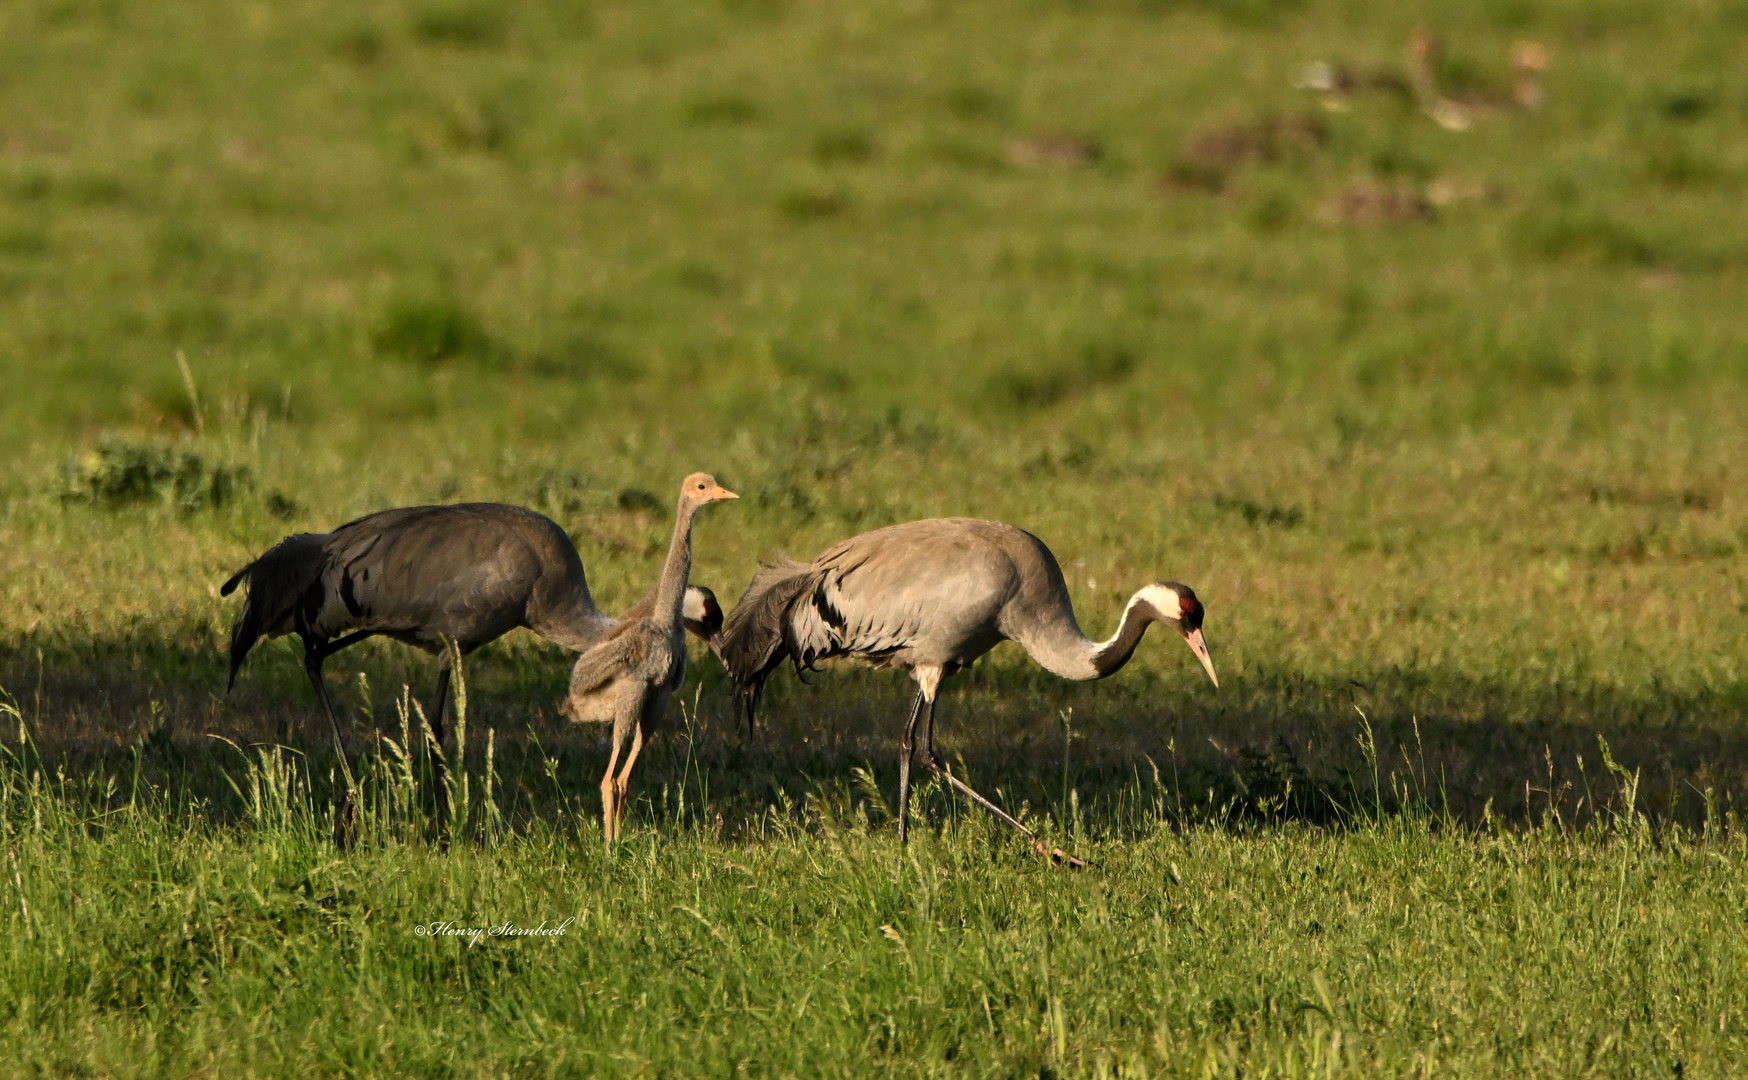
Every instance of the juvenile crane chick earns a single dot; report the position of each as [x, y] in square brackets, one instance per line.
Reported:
[628, 678]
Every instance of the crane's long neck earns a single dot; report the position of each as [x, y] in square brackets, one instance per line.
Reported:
[577, 623]
[1063, 650]
[561, 608]
[671, 590]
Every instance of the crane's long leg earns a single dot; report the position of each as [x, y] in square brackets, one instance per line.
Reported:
[622, 724]
[608, 790]
[439, 773]
[749, 704]
[905, 747]
[312, 666]
[1055, 855]
[321, 651]
[929, 730]
[623, 784]
[345, 806]
[332, 647]
[939, 768]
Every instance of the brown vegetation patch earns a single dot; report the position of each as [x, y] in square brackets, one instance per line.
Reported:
[1657, 498]
[1063, 151]
[1372, 203]
[1451, 190]
[1208, 159]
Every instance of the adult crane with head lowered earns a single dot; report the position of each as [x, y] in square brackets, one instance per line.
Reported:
[930, 597]
[628, 678]
[427, 576]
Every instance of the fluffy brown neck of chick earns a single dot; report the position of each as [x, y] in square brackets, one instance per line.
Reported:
[670, 596]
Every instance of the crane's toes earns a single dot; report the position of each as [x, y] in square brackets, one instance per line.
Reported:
[1058, 857]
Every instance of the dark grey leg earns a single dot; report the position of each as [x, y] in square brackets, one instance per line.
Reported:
[345, 807]
[317, 653]
[439, 773]
[312, 666]
[1056, 855]
[750, 706]
[905, 746]
[353, 638]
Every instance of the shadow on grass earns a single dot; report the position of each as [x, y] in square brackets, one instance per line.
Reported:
[1110, 758]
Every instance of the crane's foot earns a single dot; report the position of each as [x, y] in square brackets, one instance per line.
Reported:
[1059, 857]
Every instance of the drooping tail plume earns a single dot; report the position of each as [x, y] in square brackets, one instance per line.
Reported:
[756, 637]
[276, 582]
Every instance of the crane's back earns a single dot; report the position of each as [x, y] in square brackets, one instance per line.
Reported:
[941, 591]
[470, 572]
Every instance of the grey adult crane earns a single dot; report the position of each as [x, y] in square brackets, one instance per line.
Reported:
[628, 678]
[930, 597]
[426, 575]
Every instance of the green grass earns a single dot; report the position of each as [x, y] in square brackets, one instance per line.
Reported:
[148, 938]
[1462, 494]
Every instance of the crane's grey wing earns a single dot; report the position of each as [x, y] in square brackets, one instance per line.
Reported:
[623, 653]
[424, 573]
[922, 592]
[278, 582]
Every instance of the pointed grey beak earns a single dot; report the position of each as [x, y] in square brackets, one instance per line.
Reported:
[1200, 648]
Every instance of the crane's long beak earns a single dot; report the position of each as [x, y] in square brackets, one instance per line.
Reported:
[723, 493]
[1200, 648]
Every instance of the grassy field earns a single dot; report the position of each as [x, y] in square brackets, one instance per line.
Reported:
[1444, 426]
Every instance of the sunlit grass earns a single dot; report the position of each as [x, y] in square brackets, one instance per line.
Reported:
[148, 932]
